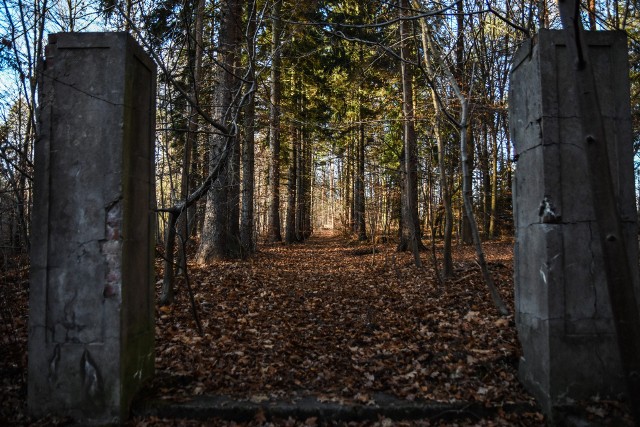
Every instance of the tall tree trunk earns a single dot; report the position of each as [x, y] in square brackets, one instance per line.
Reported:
[248, 154]
[359, 205]
[220, 237]
[306, 197]
[361, 226]
[301, 189]
[167, 295]
[349, 188]
[486, 182]
[591, 9]
[290, 222]
[411, 223]
[129, 9]
[299, 220]
[459, 67]
[183, 226]
[300, 171]
[458, 74]
[467, 232]
[468, 206]
[543, 14]
[178, 226]
[400, 208]
[274, 234]
[332, 193]
[494, 182]
[447, 258]
[234, 243]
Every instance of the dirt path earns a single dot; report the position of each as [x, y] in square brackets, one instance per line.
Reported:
[332, 320]
[323, 323]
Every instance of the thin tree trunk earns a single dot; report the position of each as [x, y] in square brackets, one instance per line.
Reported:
[129, 9]
[411, 237]
[543, 15]
[400, 211]
[306, 197]
[591, 9]
[494, 184]
[447, 258]
[182, 226]
[299, 221]
[467, 232]
[233, 201]
[290, 222]
[459, 66]
[274, 234]
[359, 194]
[349, 188]
[332, 194]
[248, 154]
[167, 295]
[431, 206]
[486, 182]
[468, 205]
[299, 161]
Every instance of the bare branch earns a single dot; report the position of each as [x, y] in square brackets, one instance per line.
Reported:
[390, 22]
[508, 21]
[225, 131]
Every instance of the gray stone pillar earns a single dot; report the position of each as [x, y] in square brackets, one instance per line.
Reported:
[563, 312]
[91, 322]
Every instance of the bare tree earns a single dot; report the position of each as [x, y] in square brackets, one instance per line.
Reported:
[462, 124]
[25, 40]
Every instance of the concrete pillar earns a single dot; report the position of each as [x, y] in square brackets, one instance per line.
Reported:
[91, 322]
[563, 312]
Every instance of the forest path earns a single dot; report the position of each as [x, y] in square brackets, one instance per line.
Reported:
[322, 329]
[328, 318]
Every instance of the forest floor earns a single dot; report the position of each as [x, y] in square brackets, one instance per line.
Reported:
[333, 320]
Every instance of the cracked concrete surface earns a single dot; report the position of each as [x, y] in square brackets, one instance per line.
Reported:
[91, 298]
[563, 313]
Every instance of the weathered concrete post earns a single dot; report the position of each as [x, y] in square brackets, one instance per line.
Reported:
[563, 313]
[91, 330]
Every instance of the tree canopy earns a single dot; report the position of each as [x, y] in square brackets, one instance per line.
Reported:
[326, 114]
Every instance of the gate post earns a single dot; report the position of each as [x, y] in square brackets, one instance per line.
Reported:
[91, 308]
[563, 313]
